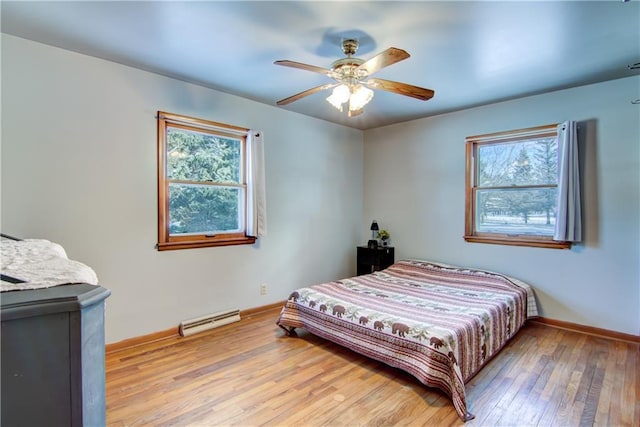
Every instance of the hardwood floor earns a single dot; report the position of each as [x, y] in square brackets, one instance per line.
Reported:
[248, 373]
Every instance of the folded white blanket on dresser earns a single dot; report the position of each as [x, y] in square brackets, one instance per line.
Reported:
[40, 264]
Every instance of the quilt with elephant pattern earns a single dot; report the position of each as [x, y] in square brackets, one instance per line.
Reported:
[440, 323]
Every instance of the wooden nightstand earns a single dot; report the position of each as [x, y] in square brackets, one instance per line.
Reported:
[370, 260]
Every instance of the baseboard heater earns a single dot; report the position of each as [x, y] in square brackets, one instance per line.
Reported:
[193, 326]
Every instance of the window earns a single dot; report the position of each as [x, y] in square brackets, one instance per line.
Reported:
[511, 187]
[202, 183]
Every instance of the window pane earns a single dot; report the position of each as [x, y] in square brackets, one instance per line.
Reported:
[204, 209]
[518, 211]
[196, 156]
[531, 162]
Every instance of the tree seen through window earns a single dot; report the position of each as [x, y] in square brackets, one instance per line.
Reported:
[200, 167]
[517, 187]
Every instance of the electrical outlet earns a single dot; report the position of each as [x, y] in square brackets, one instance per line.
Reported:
[263, 289]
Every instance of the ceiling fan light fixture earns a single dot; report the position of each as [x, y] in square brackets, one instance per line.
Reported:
[360, 97]
[333, 100]
[339, 96]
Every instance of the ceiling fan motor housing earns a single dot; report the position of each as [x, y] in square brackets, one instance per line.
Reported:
[346, 70]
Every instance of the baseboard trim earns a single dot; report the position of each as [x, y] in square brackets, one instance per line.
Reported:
[141, 340]
[588, 330]
[257, 310]
[175, 332]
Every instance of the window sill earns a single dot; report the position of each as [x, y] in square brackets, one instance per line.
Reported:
[192, 244]
[535, 243]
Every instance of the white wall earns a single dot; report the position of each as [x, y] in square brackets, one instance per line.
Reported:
[414, 186]
[79, 168]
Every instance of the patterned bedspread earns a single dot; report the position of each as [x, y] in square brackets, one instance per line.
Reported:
[438, 322]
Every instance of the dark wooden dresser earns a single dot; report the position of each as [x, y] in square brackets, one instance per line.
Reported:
[53, 356]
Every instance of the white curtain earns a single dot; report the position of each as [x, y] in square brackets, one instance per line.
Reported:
[569, 215]
[256, 188]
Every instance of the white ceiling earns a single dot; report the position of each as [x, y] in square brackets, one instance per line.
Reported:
[470, 53]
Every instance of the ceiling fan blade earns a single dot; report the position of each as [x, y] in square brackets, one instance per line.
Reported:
[401, 88]
[383, 59]
[304, 93]
[300, 65]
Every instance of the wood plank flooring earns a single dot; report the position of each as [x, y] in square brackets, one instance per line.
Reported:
[249, 374]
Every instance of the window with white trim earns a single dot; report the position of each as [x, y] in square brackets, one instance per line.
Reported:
[511, 187]
[202, 183]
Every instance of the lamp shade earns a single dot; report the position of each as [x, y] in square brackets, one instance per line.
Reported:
[339, 96]
[359, 98]
[374, 226]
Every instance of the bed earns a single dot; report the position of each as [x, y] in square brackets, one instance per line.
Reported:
[440, 323]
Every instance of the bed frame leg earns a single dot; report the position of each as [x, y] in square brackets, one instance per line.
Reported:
[289, 331]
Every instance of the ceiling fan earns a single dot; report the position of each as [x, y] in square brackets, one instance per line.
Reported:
[352, 81]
